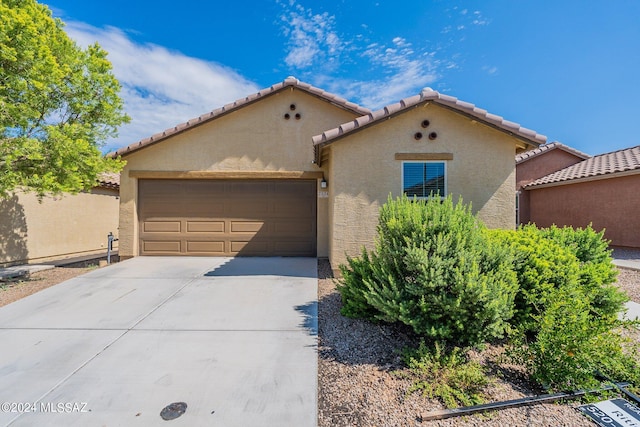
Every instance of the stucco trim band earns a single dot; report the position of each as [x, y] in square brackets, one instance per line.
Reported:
[424, 156]
[141, 174]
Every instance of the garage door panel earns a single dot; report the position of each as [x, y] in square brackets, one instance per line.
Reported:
[161, 226]
[205, 227]
[163, 247]
[247, 226]
[209, 247]
[227, 217]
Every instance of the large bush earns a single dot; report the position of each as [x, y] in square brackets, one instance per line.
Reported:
[434, 269]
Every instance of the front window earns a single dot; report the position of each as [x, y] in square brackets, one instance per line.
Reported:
[421, 179]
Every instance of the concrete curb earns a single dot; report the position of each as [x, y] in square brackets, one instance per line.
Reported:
[629, 264]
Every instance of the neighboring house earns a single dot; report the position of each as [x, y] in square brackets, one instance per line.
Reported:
[295, 171]
[537, 163]
[60, 227]
[601, 190]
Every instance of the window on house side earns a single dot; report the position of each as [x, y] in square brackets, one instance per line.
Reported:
[421, 179]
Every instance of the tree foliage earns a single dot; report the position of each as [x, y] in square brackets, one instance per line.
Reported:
[58, 104]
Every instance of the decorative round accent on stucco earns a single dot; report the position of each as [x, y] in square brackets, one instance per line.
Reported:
[298, 116]
[418, 136]
[286, 116]
[292, 107]
[425, 123]
[433, 136]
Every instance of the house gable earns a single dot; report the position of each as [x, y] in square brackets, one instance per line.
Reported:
[289, 83]
[523, 137]
[366, 166]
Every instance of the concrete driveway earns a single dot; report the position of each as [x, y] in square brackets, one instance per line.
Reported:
[233, 338]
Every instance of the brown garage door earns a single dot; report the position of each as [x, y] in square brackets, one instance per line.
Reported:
[227, 217]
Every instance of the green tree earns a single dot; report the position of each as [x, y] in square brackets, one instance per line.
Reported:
[58, 104]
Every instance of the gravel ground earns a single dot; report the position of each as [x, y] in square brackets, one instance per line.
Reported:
[14, 289]
[359, 383]
[629, 281]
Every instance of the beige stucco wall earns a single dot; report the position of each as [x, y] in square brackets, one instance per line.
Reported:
[364, 172]
[253, 138]
[59, 227]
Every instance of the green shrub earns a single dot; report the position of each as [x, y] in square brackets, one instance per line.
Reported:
[597, 271]
[445, 375]
[353, 288]
[572, 346]
[541, 267]
[434, 270]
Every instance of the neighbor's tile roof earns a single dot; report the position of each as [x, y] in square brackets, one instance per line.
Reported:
[109, 180]
[597, 166]
[429, 95]
[288, 82]
[523, 157]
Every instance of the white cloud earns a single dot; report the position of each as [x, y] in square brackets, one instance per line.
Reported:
[311, 37]
[491, 70]
[314, 48]
[161, 88]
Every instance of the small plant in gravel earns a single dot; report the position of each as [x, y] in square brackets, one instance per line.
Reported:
[433, 269]
[446, 374]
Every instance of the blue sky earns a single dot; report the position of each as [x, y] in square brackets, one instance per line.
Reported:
[567, 69]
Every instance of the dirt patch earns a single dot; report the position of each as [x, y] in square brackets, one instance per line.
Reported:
[15, 289]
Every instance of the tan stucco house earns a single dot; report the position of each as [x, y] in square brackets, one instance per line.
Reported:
[295, 171]
[58, 228]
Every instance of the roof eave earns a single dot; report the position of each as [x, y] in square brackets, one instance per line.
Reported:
[599, 177]
[558, 146]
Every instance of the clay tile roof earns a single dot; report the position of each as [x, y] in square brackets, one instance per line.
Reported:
[523, 157]
[235, 105]
[109, 180]
[429, 95]
[603, 165]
